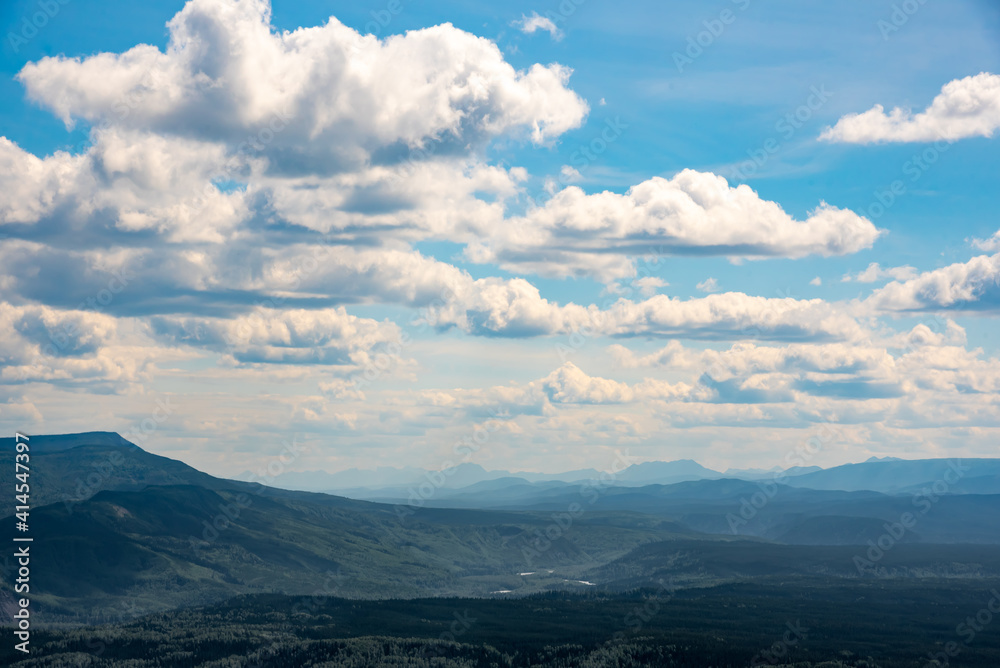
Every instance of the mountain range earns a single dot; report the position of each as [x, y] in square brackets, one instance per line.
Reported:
[888, 475]
[119, 531]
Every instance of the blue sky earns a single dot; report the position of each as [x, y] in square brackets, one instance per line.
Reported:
[550, 200]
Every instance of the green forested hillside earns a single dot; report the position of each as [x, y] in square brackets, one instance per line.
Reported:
[805, 623]
[166, 546]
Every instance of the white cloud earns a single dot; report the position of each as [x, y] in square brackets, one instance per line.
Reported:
[750, 358]
[32, 185]
[876, 273]
[290, 336]
[514, 307]
[569, 174]
[648, 285]
[816, 281]
[991, 245]
[694, 213]
[324, 96]
[731, 315]
[73, 348]
[708, 285]
[530, 24]
[972, 285]
[568, 384]
[944, 332]
[968, 107]
[131, 185]
[929, 381]
[785, 385]
[215, 277]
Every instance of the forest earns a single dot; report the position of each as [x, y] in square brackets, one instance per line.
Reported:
[800, 623]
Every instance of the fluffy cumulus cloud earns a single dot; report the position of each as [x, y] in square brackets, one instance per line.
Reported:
[291, 336]
[972, 285]
[323, 96]
[569, 384]
[968, 107]
[694, 213]
[127, 183]
[237, 127]
[515, 307]
[74, 348]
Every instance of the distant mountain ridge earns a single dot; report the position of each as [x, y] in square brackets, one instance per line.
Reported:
[114, 525]
[900, 475]
[385, 477]
[887, 475]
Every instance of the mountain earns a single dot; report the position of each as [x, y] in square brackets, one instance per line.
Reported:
[57, 442]
[114, 526]
[763, 509]
[389, 481]
[888, 475]
[72, 468]
[899, 476]
[322, 481]
[395, 483]
[113, 523]
[666, 472]
[770, 474]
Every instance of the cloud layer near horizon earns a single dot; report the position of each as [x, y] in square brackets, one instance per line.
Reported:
[247, 232]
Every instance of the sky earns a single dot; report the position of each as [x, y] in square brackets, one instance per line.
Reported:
[531, 236]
